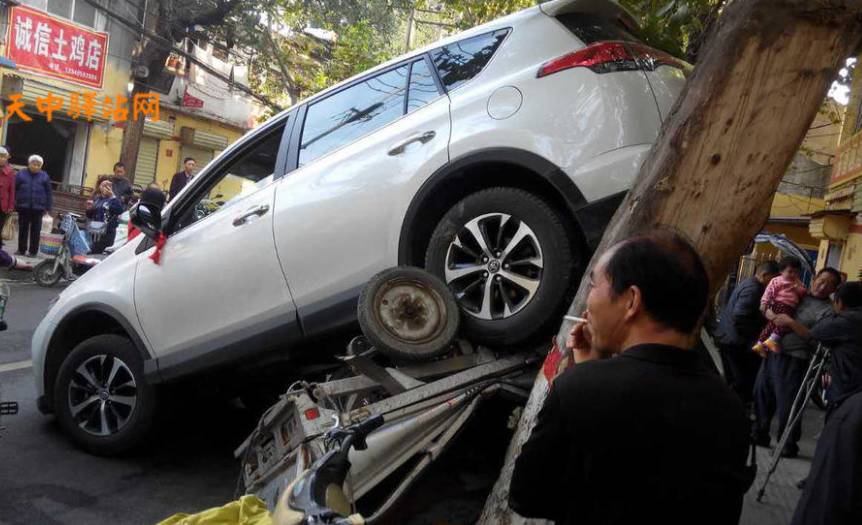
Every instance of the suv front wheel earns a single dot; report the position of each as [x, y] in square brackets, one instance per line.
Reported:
[507, 258]
[101, 398]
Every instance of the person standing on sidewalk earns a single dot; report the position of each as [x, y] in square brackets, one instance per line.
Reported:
[122, 188]
[7, 190]
[781, 374]
[650, 435]
[179, 181]
[740, 323]
[33, 198]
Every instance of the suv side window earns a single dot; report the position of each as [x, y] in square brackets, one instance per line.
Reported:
[459, 62]
[353, 112]
[422, 89]
[252, 169]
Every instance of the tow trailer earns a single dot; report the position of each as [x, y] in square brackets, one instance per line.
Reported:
[423, 404]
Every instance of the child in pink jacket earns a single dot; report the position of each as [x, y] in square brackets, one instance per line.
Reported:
[782, 296]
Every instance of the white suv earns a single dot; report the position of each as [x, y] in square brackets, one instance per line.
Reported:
[494, 158]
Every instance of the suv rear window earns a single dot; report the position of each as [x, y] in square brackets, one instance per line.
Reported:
[459, 62]
[593, 28]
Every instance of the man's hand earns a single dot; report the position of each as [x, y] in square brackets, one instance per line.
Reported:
[580, 342]
[783, 321]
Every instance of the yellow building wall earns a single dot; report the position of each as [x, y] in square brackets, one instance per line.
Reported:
[170, 151]
[102, 153]
[786, 205]
[851, 256]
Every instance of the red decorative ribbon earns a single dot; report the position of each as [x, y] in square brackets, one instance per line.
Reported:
[156, 257]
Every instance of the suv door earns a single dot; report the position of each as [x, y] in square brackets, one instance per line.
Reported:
[363, 152]
[219, 293]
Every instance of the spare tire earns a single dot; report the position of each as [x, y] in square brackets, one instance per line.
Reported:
[408, 314]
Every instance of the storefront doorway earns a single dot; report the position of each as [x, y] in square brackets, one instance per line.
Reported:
[53, 141]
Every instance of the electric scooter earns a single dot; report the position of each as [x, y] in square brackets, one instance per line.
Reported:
[71, 260]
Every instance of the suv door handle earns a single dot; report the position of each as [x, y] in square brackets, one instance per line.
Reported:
[257, 210]
[399, 147]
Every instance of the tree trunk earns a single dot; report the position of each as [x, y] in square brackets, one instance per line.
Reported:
[132, 135]
[760, 80]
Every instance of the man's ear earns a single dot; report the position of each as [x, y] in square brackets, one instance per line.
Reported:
[634, 302]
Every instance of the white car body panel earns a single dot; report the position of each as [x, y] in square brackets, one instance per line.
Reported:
[337, 221]
[355, 230]
[230, 272]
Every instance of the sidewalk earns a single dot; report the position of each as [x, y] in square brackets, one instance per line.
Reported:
[779, 501]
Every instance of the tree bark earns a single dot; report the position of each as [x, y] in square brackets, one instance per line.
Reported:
[760, 80]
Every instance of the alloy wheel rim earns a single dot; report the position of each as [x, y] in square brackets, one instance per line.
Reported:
[494, 266]
[103, 395]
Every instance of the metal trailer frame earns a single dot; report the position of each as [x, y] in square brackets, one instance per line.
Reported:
[425, 405]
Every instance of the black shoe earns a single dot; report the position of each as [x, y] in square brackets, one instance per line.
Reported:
[801, 483]
[19, 253]
[33, 255]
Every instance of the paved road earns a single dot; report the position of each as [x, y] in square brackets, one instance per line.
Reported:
[188, 464]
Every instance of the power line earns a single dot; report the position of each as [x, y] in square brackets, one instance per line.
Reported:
[165, 44]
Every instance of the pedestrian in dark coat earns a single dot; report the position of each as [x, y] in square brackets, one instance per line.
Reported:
[7, 190]
[121, 186]
[740, 322]
[179, 180]
[648, 436]
[833, 490]
[33, 198]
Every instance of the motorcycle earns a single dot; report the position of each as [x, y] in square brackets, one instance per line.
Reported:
[70, 259]
[317, 495]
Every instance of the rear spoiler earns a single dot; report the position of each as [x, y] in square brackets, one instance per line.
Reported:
[603, 8]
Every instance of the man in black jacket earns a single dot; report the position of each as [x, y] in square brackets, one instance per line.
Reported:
[650, 435]
[740, 323]
[180, 179]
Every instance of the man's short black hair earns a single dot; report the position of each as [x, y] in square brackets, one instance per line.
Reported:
[669, 273]
[119, 165]
[790, 261]
[767, 267]
[850, 294]
[831, 271]
[187, 159]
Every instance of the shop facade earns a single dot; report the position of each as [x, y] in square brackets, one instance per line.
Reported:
[79, 147]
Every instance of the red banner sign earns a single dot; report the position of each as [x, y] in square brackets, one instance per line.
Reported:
[55, 47]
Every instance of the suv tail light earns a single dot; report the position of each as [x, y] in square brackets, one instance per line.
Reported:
[611, 56]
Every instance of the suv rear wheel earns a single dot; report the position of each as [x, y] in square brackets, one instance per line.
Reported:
[101, 398]
[507, 258]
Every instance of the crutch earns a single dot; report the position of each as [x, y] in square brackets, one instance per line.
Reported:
[809, 382]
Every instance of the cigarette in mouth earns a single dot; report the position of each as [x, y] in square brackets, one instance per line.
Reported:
[575, 319]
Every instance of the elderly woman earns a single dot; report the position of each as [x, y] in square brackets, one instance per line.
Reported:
[33, 198]
[105, 210]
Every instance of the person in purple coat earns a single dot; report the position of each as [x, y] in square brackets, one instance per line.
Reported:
[33, 198]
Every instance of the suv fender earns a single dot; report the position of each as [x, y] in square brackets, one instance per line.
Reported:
[65, 338]
[470, 173]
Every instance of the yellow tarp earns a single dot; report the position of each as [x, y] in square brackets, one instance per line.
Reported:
[248, 510]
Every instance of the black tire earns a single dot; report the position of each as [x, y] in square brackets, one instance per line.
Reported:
[44, 273]
[98, 356]
[408, 314]
[528, 315]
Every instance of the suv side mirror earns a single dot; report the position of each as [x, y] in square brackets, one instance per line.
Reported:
[147, 217]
